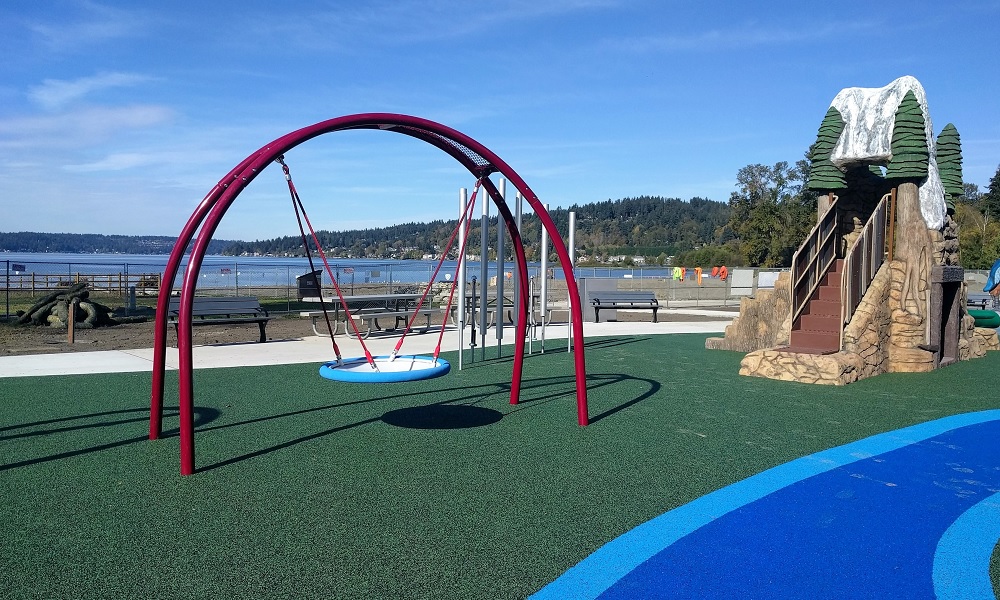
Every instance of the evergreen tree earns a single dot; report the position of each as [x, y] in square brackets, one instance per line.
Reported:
[909, 142]
[989, 201]
[823, 174]
[949, 161]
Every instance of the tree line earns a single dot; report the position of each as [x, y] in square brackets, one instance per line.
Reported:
[650, 226]
[763, 223]
[94, 243]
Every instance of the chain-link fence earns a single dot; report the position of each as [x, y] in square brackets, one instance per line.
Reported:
[280, 286]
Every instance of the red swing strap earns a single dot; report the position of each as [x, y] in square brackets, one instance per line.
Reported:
[454, 279]
[444, 255]
[297, 203]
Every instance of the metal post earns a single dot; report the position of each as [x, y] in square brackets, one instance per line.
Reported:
[544, 305]
[572, 265]
[501, 267]
[472, 336]
[484, 272]
[460, 308]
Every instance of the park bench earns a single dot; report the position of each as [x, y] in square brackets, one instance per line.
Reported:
[982, 300]
[208, 310]
[614, 299]
[369, 317]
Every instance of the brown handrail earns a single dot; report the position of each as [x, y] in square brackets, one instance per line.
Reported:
[813, 259]
[863, 260]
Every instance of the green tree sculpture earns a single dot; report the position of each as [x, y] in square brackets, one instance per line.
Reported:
[909, 142]
[823, 174]
[949, 161]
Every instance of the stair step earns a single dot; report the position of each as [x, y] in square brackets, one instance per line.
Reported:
[822, 340]
[828, 292]
[824, 307]
[827, 323]
[804, 350]
[832, 280]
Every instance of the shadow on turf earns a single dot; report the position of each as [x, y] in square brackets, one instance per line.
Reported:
[202, 416]
[556, 346]
[442, 416]
[454, 413]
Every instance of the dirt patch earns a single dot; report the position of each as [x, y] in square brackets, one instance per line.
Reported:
[31, 339]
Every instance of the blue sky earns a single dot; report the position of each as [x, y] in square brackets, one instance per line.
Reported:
[118, 117]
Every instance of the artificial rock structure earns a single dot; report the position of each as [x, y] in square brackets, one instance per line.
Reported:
[878, 286]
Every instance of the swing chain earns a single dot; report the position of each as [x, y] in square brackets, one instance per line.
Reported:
[281, 161]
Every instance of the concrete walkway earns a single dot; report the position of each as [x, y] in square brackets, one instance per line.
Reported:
[318, 349]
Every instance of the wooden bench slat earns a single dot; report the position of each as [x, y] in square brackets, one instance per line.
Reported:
[221, 310]
[612, 299]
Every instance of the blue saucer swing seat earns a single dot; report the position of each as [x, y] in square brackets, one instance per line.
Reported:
[403, 368]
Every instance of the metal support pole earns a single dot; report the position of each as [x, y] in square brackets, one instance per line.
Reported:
[460, 308]
[484, 273]
[572, 265]
[518, 201]
[544, 305]
[501, 268]
[472, 336]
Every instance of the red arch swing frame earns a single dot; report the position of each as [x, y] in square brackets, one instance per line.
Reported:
[479, 160]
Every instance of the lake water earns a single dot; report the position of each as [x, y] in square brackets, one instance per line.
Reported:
[229, 271]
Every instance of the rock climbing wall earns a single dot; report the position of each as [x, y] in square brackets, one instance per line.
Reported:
[764, 321]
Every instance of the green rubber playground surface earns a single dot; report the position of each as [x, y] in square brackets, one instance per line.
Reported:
[309, 488]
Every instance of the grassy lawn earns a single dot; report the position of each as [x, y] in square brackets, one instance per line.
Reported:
[310, 488]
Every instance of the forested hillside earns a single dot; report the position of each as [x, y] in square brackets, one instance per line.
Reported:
[93, 243]
[647, 226]
[762, 224]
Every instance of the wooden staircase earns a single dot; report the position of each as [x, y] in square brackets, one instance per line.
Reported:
[818, 328]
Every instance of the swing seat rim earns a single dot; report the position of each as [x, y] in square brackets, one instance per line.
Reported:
[350, 370]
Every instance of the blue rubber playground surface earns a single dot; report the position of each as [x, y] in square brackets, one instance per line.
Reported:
[913, 513]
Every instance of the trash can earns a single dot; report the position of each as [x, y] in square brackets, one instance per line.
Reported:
[309, 285]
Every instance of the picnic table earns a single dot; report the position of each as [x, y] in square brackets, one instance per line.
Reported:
[367, 307]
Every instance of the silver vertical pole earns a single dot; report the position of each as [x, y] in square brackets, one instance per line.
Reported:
[545, 277]
[572, 266]
[484, 257]
[460, 308]
[501, 265]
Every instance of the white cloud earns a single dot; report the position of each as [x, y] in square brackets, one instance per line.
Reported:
[114, 162]
[394, 22]
[55, 93]
[748, 36]
[97, 24]
[80, 128]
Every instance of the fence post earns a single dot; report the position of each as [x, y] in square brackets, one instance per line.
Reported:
[7, 291]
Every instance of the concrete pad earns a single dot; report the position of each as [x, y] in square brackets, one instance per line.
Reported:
[315, 349]
[73, 363]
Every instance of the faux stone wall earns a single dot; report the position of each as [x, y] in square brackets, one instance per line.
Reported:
[826, 369]
[907, 330]
[946, 244]
[975, 342]
[765, 321]
[867, 335]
